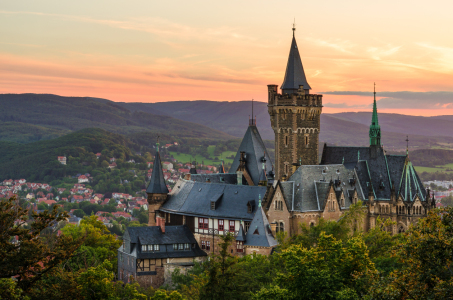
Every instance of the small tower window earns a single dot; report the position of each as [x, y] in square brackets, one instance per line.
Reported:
[306, 140]
[286, 140]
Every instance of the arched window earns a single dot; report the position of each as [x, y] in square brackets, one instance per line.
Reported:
[312, 224]
[283, 114]
[282, 227]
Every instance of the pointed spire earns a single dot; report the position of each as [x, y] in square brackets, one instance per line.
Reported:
[407, 145]
[252, 121]
[157, 183]
[294, 75]
[259, 200]
[375, 129]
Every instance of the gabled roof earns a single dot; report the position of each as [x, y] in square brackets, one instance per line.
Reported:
[194, 199]
[153, 235]
[157, 184]
[307, 188]
[294, 75]
[254, 148]
[381, 171]
[260, 233]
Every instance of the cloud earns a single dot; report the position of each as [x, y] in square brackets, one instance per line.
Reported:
[345, 105]
[404, 99]
[157, 26]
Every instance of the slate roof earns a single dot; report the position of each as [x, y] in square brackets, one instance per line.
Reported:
[153, 235]
[254, 148]
[157, 184]
[259, 233]
[307, 188]
[382, 171]
[241, 235]
[215, 178]
[194, 199]
[294, 75]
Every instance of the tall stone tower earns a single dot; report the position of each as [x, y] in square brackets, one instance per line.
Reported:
[157, 190]
[295, 117]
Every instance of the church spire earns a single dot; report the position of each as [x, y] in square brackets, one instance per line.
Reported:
[294, 75]
[375, 129]
[157, 184]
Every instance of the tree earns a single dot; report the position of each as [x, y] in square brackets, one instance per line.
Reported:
[425, 255]
[98, 244]
[34, 254]
[79, 213]
[332, 270]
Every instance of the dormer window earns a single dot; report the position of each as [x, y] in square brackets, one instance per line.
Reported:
[212, 205]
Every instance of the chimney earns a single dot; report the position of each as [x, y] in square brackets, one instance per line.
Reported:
[161, 223]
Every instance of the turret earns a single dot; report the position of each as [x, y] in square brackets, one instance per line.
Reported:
[157, 190]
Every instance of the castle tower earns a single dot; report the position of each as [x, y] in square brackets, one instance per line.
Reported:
[295, 117]
[157, 190]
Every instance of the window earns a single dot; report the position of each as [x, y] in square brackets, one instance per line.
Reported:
[203, 223]
[186, 246]
[203, 245]
[239, 246]
[156, 247]
[175, 246]
[208, 245]
[286, 140]
[249, 208]
[282, 227]
[180, 246]
[144, 248]
[247, 226]
[212, 205]
[306, 140]
[232, 227]
[221, 225]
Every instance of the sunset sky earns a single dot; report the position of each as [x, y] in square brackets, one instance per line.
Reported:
[153, 51]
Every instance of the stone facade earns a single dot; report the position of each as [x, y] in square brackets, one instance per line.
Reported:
[155, 201]
[295, 119]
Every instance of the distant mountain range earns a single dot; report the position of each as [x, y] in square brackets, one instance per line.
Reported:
[30, 117]
[348, 129]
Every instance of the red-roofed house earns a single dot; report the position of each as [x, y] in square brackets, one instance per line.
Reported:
[82, 179]
[62, 159]
[98, 155]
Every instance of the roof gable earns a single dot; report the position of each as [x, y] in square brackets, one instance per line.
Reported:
[259, 233]
[253, 146]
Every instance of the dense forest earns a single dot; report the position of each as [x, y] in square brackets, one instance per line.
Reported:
[331, 260]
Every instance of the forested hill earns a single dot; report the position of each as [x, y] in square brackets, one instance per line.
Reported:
[38, 160]
[29, 117]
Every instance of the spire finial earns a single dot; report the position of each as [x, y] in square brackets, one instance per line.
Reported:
[407, 145]
[294, 26]
[252, 121]
[259, 200]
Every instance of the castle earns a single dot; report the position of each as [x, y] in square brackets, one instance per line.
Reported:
[257, 199]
